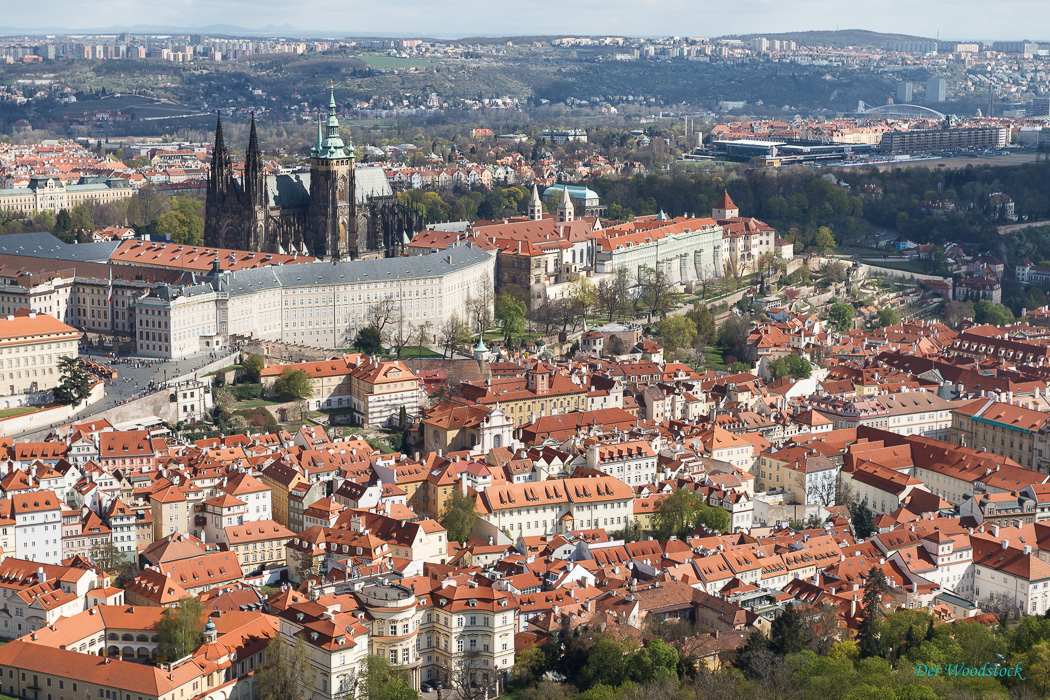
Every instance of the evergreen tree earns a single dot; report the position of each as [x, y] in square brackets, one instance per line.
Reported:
[459, 516]
[75, 384]
[750, 656]
[868, 631]
[787, 635]
[863, 522]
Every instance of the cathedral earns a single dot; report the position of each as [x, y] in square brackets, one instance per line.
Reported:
[333, 210]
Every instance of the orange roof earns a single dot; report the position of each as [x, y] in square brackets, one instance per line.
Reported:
[26, 325]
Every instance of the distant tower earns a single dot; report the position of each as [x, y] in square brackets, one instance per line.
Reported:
[535, 205]
[332, 205]
[220, 180]
[724, 208]
[566, 210]
[904, 93]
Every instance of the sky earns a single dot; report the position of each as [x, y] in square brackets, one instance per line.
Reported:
[958, 19]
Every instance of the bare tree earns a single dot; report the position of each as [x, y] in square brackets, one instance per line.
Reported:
[613, 293]
[823, 491]
[479, 306]
[824, 625]
[401, 333]
[656, 292]
[380, 313]
[424, 334]
[453, 332]
[469, 676]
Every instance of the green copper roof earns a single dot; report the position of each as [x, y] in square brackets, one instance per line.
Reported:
[481, 347]
[331, 146]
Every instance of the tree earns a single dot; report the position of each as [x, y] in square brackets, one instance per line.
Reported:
[304, 565]
[683, 512]
[479, 306]
[706, 330]
[253, 365]
[453, 333]
[787, 635]
[790, 366]
[732, 338]
[954, 312]
[613, 293]
[459, 516]
[582, 297]
[287, 673]
[993, 314]
[184, 222]
[378, 680]
[75, 384]
[400, 334]
[423, 335]
[841, 314]
[105, 555]
[379, 314]
[293, 384]
[179, 629]
[863, 521]
[677, 332]
[824, 240]
[869, 639]
[834, 272]
[369, 340]
[888, 317]
[656, 292]
[510, 315]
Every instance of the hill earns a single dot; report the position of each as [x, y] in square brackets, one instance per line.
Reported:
[840, 38]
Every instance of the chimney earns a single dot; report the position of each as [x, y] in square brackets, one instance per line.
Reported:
[1006, 544]
[40, 575]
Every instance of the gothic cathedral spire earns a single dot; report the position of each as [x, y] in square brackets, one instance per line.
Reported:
[254, 179]
[221, 170]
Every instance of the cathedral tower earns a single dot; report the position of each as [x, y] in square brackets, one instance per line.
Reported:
[255, 193]
[535, 205]
[332, 205]
[566, 209]
[220, 183]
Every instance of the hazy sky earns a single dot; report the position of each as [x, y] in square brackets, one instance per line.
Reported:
[958, 19]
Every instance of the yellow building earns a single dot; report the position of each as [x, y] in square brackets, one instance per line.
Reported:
[31, 346]
[282, 478]
[542, 392]
[259, 545]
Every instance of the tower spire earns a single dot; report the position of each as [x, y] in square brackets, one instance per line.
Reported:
[535, 205]
[220, 160]
[253, 178]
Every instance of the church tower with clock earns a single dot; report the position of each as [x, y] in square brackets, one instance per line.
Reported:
[332, 201]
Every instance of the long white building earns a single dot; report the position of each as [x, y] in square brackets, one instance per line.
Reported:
[321, 304]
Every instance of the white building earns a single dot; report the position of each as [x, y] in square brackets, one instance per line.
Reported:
[321, 304]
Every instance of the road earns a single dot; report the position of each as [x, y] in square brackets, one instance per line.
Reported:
[133, 379]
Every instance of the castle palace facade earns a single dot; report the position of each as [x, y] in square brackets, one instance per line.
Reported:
[333, 210]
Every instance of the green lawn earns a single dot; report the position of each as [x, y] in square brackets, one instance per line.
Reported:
[715, 359]
[223, 370]
[411, 351]
[20, 411]
[394, 62]
[254, 403]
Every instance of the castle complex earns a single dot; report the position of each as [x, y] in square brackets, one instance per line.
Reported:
[335, 209]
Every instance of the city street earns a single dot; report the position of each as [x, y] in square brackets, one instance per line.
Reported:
[133, 379]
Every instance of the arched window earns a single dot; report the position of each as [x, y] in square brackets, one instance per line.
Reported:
[497, 441]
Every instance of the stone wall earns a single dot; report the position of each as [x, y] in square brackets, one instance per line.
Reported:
[45, 418]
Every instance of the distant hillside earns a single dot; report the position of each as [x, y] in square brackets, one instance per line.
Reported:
[840, 38]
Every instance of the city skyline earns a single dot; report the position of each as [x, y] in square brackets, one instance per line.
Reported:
[466, 18]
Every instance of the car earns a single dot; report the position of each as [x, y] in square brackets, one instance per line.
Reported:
[425, 687]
